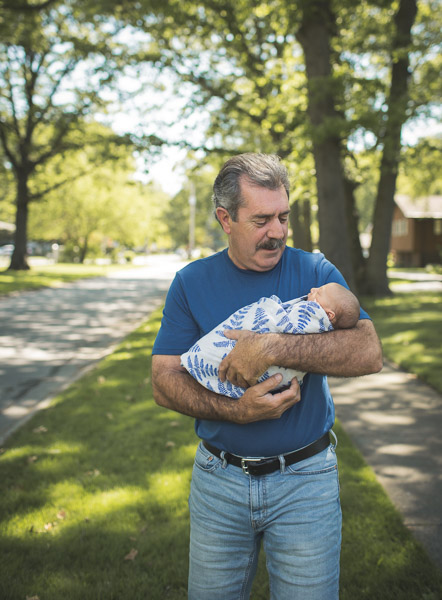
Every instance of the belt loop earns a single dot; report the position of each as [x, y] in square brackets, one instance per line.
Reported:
[281, 463]
[224, 459]
[336, 439]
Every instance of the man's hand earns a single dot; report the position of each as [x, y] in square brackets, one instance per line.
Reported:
[258, 403]
[248, 360]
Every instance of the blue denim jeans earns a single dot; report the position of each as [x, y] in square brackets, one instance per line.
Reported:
[294, 512]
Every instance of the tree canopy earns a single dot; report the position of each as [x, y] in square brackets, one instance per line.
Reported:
[326, 84]
[55, 70]
[310, 79]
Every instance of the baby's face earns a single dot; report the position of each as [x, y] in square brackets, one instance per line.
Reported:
[323, 296]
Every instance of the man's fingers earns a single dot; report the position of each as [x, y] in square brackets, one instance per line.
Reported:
[269, 384]
[232, 334]
[222, 369]
[235, 378]
[293, 388]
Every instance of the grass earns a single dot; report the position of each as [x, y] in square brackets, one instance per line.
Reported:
[94, 500]
[410, 326]
[51, 276]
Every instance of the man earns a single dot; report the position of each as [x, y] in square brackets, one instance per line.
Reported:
[265, 470]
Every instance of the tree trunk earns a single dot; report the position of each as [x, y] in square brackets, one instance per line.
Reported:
[357, 257]
[297, 226]
[300, 222]
[307, 222]
[19, 258]
[376, 282]
[84, 247]
[314, 35]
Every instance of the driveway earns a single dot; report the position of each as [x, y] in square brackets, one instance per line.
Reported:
[48, 338]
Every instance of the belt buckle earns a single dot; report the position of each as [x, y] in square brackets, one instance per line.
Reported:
[245, 466]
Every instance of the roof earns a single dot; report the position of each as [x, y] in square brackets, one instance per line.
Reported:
[425, 207]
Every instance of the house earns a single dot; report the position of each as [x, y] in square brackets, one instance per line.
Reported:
[416, 235]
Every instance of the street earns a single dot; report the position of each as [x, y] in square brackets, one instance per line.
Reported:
[49, 337]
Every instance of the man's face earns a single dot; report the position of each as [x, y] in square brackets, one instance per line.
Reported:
[258, 237]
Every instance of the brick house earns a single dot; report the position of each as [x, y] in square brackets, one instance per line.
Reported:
[416, 235]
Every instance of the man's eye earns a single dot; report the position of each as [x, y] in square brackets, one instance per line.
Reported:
[260, 223]
[284, 219]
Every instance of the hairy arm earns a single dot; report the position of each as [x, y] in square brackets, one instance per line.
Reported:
[175, 389]
[341, 353]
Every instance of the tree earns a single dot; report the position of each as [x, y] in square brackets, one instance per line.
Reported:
[104, 204]
[318, 25]
[419, 172]
[51, 68]
[375, 277]
[245, 64]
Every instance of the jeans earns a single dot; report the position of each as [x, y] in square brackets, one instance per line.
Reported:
[295, 512]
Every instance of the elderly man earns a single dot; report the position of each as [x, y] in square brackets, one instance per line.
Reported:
[265, 470]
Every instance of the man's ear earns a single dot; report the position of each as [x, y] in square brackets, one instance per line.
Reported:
[224, 218]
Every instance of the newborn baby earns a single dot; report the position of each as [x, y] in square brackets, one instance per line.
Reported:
[331, 306]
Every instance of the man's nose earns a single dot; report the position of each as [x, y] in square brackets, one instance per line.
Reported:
[276, 230]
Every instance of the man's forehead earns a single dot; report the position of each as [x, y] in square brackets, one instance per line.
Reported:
[265, 202]
[270, 213]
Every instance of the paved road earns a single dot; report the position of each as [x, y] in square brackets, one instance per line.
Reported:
[48, 338]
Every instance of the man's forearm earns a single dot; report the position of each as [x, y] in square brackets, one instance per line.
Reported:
[341, 353]
[176, 390]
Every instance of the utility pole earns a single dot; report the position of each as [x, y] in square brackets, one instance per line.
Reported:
[192, 203]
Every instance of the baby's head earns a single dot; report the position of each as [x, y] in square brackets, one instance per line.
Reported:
[341, 305]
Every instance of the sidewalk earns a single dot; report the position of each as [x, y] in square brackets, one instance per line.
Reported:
[395, 421]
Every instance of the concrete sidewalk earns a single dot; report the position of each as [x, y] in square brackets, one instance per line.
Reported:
[395, 420]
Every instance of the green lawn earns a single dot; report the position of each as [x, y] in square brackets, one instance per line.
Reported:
[94, 500]
[410, 327]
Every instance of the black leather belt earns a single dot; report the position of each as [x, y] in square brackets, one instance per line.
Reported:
[263, 466]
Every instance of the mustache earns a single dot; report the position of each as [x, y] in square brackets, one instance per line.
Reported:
[270, 245]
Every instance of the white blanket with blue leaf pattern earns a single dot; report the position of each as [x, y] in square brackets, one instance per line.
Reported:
[297, 316]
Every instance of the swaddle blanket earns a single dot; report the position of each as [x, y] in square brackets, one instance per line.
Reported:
[298, 316]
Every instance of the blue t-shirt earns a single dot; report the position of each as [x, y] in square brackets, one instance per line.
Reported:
[206, 292]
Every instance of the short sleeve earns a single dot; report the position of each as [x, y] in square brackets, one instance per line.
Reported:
[179, 330]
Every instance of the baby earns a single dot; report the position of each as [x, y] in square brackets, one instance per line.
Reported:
[341, 306]
[331, 306]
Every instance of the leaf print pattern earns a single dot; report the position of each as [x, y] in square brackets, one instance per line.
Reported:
[298, 316]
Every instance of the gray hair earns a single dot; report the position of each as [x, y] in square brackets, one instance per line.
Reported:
[261, 170]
